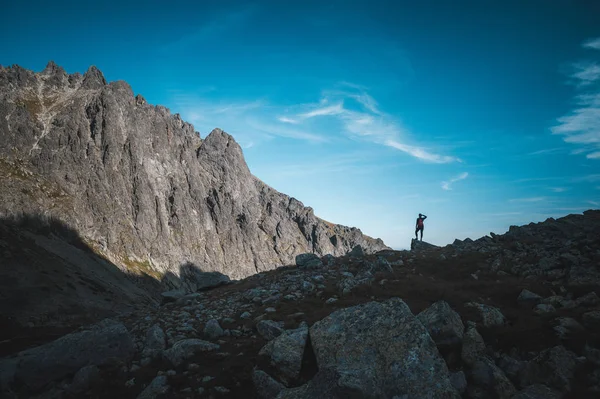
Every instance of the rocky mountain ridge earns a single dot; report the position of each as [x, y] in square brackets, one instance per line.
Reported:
[140, 185]
[482, 318]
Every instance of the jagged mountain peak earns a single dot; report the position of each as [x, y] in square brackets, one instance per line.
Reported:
[93, 78]
[142, 185]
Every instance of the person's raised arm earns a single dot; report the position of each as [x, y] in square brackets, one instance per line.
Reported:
[424, 217]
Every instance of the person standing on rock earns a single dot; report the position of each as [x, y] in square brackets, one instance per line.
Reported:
[420, 226]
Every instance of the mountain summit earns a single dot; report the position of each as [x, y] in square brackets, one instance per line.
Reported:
[140, 185]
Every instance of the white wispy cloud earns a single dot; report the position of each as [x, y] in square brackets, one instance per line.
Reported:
[593, 155]
[446, 185]
[546, 151]
[258, 125]
[349, 111]
[285, 119]
[249, 122]
[586, 73]
[558, 189]
[335, 109]
[533, 179]
[595, 203]
[529, 199]
[421, 153]
[581, 126]
[588, 178]
[592, 43]
[368, 122]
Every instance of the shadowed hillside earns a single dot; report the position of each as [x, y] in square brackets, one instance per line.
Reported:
[497, 317]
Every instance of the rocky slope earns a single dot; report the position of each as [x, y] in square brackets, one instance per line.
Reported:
[140, 185]
[476, 319]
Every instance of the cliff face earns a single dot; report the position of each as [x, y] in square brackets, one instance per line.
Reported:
[140, 185]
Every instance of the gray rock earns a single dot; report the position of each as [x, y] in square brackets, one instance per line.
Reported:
[554, 367]
[266, 386]
[155, 389]
[459, 381]
[543, 308]
[328, 259]
[416, 245]
[559, 302]
[327, 384]
[221, 390]
[307, 286]
[308, 261]
[443, 324]
[155, 339]
[187, 348]
[537, 391]
[331, 300]
[511, 366]
[382, 265]
[592, 320]
[198, 280]
[380, 350]
[172, 296]
[348, 284]
[592, 354]
[285, 354]
[490, 315]
[99, 345]
[566, 327]
[528, 298]
[492, 379]
[85, 379]
[473, 345]
[245, 315]
[357, 252]
[269, 329]
[590, 299]
[212, 329]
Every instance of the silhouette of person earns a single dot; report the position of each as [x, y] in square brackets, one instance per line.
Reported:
[420, 226]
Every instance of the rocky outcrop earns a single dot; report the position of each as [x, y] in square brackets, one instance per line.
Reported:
[562, 250]
[99, 345]
[141, 185]
[380, 350]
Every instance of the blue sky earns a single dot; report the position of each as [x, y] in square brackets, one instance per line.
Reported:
[480, 114]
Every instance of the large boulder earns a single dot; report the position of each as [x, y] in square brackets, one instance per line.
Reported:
[269, 329]
[416, 245]
[554, 367]
[187, 348]
[285, 354]
[379, 350]
[326, 384]
[198, 280]
[308, 261]
[99, 345]
[592, 320]
[491, 379]
[528, 299]
[490, 315]
[537, 391]
[155, 339]
[473, 345]
[213, 330]
[266, 386]
[443, 324]
[155, 389]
